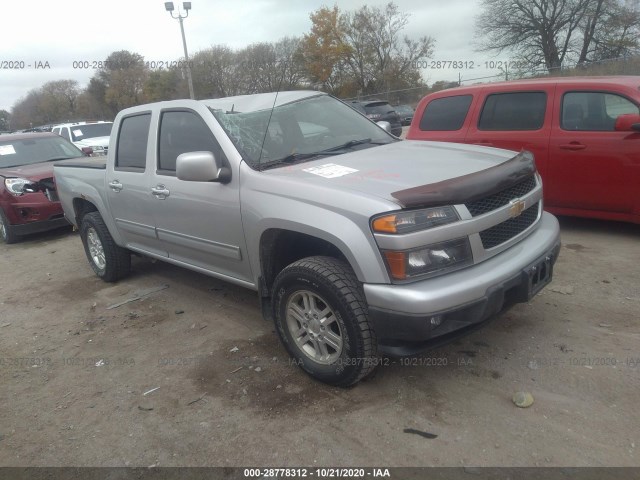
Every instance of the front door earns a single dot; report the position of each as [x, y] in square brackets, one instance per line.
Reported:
[592, 166]
[199, 223]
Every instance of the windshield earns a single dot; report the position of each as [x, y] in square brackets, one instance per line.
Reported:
[91, 130]
[307, 127]
[25, 151]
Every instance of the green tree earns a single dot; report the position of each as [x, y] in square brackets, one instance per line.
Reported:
[58, 101]
[214, 72]
[166, 84]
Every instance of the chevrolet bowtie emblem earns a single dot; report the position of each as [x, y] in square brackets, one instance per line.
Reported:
[517, 207]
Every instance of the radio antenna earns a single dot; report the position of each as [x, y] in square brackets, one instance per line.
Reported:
[266, 130]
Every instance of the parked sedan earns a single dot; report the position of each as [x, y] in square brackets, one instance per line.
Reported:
[28, 198]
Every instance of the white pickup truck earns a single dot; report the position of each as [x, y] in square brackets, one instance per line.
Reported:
[357, 243]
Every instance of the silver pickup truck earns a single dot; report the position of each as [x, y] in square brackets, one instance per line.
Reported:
[358, 244]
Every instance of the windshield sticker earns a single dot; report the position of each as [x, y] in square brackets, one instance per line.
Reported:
[77, 132]
[7, 150]
[330, 170]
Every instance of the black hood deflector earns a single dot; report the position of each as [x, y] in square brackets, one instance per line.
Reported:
[469, 187]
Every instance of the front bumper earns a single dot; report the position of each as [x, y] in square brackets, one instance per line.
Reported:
[33, 213]
[418, 316]
[39, 226]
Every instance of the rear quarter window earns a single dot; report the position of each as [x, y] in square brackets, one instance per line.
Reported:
[132, 142]
[513, 111]
[445, 114]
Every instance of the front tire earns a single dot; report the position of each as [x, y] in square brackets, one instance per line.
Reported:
[322, 320]
[6, 232]
[109, 261]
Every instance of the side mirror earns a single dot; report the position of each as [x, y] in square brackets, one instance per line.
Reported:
[629, 122]
[386, 126]
[88, 151]
[201, 167]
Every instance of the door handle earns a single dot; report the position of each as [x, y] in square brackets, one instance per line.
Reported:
[573, 146]
[116, 186]
[483, 144]
[160, 192]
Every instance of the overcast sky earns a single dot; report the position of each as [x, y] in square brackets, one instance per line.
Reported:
[61, 32]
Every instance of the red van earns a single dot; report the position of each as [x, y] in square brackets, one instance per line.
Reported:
[583, 131]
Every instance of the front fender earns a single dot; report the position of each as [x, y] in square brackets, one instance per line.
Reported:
[352, 235]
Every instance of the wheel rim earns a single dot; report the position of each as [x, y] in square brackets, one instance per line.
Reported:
[314, 327]
[3, 229]
[95, 248]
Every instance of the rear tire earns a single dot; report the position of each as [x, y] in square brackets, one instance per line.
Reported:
[6, 231]
[322, 320]
[109, 261]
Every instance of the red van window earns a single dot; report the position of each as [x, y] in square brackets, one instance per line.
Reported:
[513, 111]
[446, 113]
[593, 111]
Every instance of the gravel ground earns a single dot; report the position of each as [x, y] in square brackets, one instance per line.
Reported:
[190, 374]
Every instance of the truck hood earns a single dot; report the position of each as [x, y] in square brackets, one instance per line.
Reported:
[416, 173]
[35, 171]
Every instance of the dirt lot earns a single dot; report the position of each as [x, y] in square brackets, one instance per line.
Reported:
[73, 373]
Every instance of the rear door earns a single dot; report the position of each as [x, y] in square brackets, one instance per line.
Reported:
[514, 119]
[593, 167]
[128, 185]
[199, 223]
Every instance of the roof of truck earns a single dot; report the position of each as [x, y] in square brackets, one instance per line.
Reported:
[259, 101]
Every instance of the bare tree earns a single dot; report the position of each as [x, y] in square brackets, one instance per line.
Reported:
[617, 33]
[539, 32]
[377, 53]
[550, 32]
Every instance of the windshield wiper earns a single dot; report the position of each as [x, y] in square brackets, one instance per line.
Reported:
[291, 158]
[294, 157]
[59, 158]
[349, 144]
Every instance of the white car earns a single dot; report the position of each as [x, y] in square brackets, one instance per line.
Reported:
[94, 135]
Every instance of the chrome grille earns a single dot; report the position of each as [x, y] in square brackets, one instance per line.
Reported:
[502, 198]
[505, 231]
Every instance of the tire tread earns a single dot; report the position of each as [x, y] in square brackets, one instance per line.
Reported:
[118, 259]
[341, 277]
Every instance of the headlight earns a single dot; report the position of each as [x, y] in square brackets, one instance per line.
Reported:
[429, 260]
[412, 220]
[16, 185]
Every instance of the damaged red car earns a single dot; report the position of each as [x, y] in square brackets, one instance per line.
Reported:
[28, 198]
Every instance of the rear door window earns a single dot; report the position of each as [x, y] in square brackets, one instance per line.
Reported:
[594, 111]
[446, 114]
[131, 151]
[513, 111]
